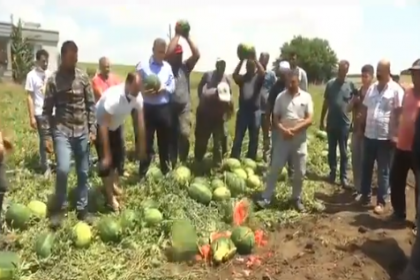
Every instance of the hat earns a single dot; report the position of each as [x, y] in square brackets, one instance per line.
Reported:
[415, 66]
[223, 90]
[284, 66]
[178, 49]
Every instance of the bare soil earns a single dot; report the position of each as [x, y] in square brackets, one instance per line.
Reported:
[345, 242]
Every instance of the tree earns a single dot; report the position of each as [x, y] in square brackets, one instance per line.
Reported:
[21, 51]
[315, 56]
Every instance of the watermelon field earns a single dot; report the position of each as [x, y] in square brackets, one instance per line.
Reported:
[198, 222]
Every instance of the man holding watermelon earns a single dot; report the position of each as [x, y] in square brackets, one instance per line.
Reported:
[181, 99]
[249, 114]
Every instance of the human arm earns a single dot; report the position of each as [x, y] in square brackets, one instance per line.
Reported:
[355, 98]
[90, 106]
[110, 107]
[141, 128]
[201, 85]
[324, 109]
[29, 87]
[260, 69]
[304, 80]
[195, 54]
[47, 109]
[307, 120]
[277, 117]
[97, 91]
[238, 78]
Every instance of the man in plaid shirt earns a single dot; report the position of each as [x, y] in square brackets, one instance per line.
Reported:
[70, 92]
[382, 104]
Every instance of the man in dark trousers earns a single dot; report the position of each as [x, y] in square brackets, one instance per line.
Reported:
[181, 99]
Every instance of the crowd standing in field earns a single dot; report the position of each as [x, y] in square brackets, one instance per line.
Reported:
[70, 112]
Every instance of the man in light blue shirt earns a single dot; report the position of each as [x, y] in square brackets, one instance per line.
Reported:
[157, 111]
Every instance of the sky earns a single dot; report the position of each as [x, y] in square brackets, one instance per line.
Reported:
[359, 31]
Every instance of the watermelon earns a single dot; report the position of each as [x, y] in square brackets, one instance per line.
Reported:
[200, 180]
[200, 193]
[231, 164]
[240, 173]
[184, 27]
[152, 216]
[129, 219]
[245, 51]
[235, 183]
[81, 235]
[216, 183]
[222, 249]
[249, 163]
[221, 193]
[9, 265]
[44, 244]
[154, 175]
[149, 203]
[182, 175]
[151, 82]
[244, 239]
[18, 216]
[253, 182]
[321, 134]
[249, 171]
[38, 209]
[109, 230]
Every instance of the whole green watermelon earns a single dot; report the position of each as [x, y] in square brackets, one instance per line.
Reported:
[44, 244]
[152, 216]
[109, 230]
[9, 265]
[81, 235]
[184, 27]
[18, 216]
[244, 239]
[151, 82]
[200, 193]
[129, 220]
[245, 51]
[236, 184]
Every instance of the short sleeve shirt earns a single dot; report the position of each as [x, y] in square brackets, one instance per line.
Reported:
[380, 107]
[118, 104]
[35, 84]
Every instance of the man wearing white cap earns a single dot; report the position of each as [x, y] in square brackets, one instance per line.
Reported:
[214, 108]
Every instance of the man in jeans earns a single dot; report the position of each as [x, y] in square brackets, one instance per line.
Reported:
[338, 93]
[248, 116]
[382, 101]
[70, 92]
[359, 128]
[293, 112]
[36, 80]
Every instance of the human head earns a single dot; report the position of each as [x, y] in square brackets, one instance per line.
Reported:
[159, 50]
[104, 66]
[284, 68]
[68, 53]
[292, 80]
[383, 71]
[343, 69]
[220, 66]
[41, 57]
[250, 67]
[367, 74]
[175, 59]
[133, 83]
[264, 59]
[415, 73]
[293, 60]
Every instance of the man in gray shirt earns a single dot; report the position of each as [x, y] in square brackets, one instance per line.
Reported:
[338, 93]
[181, 99]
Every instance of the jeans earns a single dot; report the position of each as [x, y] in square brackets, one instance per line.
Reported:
[42, 149]
[290, 169]
[338, 137]
[64, 147]
[379, 151]
[356, 159]
[283, 150]
[204, 128]
[251, 121]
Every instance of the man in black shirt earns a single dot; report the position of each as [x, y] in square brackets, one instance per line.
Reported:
[278, 87]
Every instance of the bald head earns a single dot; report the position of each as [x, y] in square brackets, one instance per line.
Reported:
[383, 71]
[159, 49]
[264, 58]
[104, 66]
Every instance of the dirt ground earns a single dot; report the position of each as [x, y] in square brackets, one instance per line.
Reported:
[346, 242]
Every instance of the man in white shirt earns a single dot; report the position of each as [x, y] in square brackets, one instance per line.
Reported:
[293, 111]
[115, 104]
[382, 104]
[35, 87]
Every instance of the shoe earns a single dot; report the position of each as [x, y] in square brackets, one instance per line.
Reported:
[331, 178]
[379, 209]
[345, 185]
[85, 216]
[298, 205]
[365, 201]
[56, 219]
[394, 217]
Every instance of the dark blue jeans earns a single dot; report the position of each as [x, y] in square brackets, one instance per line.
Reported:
[381, 152]
[251, 121]
[338, 138]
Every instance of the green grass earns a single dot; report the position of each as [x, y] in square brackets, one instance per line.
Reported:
[140, 255]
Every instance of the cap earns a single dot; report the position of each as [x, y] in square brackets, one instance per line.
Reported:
[284, 66]
[178, 49]
[415, 65]
[223, 90]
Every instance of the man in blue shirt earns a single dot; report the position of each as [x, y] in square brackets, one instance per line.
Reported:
[157, 110]
[248, 116]
[268, 83]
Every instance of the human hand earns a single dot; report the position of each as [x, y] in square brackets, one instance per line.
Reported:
[92, 138]
[49, 146]
[32, 123]
[287, 133]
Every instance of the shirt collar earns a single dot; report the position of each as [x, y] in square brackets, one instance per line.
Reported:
[153, 61]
